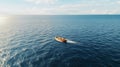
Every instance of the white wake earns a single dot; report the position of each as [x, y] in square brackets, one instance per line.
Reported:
[72, 42]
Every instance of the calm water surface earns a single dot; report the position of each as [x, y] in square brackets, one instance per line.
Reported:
[94, 41]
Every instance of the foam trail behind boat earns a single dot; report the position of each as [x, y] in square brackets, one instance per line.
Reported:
[71, 41]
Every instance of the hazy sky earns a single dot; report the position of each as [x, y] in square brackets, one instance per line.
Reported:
[59, 7]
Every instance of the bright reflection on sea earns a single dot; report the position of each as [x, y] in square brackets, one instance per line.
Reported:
[4, 19]
[4, 29]
[5, 22]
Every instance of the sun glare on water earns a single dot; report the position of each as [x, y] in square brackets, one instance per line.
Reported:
[3, 20]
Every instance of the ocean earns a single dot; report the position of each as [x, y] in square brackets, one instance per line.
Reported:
[28, 41]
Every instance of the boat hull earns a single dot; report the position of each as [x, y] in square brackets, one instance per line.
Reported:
[60, 39]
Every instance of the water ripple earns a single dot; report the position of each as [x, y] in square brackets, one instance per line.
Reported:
[27, 43]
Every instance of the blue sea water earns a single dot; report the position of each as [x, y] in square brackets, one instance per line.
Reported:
[28, 41]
